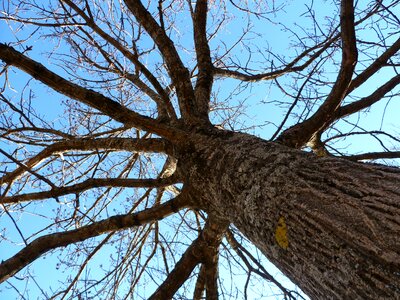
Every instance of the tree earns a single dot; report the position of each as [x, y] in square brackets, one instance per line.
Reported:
[150, 137]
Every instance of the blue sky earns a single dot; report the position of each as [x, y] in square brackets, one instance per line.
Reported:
[258, 111]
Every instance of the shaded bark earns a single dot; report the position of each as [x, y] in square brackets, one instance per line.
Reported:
[204, 246]
[331, 225]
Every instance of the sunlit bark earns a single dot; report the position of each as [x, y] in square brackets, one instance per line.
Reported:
[341, 219]
[141, 121]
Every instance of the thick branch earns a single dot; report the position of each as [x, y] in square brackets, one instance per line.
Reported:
[196, 253]
[161, 98]
[189, 260]
[200, 284]
[374, 155]
[91, 184]
[89, 97]
[301, 133]
[61, 239]
[178, 72]
[204, 64]
[211, 272]
[112, 143]
[380, 62]
[369, 100]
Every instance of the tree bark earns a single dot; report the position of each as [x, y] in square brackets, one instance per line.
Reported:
[331, 225]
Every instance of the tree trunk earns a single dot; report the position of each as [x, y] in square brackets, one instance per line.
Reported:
[331, 225]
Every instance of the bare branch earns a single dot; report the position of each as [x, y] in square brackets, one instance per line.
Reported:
[242, 252]
[209, 237]
[161, 97]
[183, 268]
[295, 101]
[89, 97]
[48, 242]
[374, 156]
[91, 183]
[200, 284]
[373, 133]
[205, 74]
[288, 68]
[365, 102]
[85, 144]
[378, 63]
[301, 133]
[179, 74]
[52, 131]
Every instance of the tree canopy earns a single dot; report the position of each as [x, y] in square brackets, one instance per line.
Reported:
[98, 97]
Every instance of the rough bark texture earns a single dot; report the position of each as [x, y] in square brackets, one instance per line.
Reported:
[331, 225]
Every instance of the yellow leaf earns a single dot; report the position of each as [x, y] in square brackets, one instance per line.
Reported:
[281, 234]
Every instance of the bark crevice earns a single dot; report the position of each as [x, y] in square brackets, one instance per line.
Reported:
[335, 234]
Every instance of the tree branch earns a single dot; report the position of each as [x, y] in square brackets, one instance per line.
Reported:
[200, 284]
[89, 97]
[210, 237]
[205, 69]
[365, 102]
[211, 272]
[299, 134]
[48, 242]
[374, 155]
[86, 144]
[179, 74]
[290, 67]
[91, 183]
[242, 252]
[380, 62]
[184, 267]
[164, 102]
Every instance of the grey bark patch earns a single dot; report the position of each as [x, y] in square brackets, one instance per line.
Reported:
[342, 217]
